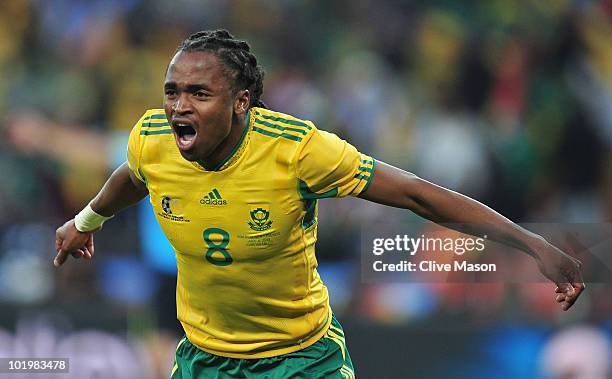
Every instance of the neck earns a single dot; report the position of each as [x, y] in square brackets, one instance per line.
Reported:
[227, 147]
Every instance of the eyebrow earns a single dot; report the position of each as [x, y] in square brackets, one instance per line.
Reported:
[190, 87]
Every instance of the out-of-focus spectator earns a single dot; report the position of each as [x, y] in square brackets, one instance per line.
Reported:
[577, 353]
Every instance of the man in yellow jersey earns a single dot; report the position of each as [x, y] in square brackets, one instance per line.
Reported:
[234, 187]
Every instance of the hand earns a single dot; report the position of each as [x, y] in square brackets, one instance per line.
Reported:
[564, 270]
[69, 241]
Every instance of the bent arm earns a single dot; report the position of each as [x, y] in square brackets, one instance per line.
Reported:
[120, 191]
[398, 188]
[394, 187]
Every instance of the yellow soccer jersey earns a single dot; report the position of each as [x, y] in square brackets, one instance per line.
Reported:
[245, 234]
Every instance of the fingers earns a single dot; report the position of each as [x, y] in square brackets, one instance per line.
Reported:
[62, 255]
[79, 253]
[60, 258]
[577, 289]
[90, 245]
[69, 241]
[86, 253]
[568, 294]
[573, 289]
[564, 300]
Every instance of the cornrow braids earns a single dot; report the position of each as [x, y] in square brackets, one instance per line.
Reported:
[236, 54]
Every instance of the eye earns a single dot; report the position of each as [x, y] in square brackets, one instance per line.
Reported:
[170, 92]
[200, 94]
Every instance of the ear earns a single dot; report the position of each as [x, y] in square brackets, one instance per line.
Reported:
[242, 101]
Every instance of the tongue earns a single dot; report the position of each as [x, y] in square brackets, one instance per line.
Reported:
[186, 140]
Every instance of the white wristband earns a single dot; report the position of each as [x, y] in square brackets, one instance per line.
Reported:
[88, 220]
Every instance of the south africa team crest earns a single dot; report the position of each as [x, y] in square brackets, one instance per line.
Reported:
[260, 218]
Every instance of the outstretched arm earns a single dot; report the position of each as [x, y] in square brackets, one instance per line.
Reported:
[397, 188]
[120, 191]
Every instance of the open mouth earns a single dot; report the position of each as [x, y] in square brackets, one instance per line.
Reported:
[185, 135]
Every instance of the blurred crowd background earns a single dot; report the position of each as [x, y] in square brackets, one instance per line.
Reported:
[508, 101]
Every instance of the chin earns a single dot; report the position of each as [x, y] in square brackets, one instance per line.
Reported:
[188, 155]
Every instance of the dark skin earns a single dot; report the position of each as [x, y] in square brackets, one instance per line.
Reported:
[198, 92]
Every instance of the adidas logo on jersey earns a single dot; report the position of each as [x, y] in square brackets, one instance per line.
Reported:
[213, 198]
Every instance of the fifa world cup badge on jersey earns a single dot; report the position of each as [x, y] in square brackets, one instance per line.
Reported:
[260, 218]
[172, 209]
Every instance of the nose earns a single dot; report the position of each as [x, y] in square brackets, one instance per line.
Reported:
[182, 105]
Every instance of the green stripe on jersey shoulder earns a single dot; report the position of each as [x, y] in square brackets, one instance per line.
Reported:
[155, 116]
[155, 132]
[365, 172]
[152, 125]
[280, 127]
[285, 119]
[155, 120]
[275, 124]
[276, 135]
[369, 177]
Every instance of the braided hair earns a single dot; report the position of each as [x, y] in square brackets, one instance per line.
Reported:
[236, 54]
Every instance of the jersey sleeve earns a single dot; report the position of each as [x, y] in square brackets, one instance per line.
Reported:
[328, 166]
[134, 149]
